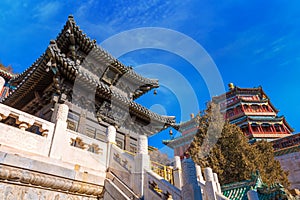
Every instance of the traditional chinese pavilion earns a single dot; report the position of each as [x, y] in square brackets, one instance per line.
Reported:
[248, 108]
[99, 89]
[252, 110]
[181, 143]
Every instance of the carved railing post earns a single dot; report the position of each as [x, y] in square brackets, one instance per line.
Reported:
[177, 173]
[142, 147]
[142, 163]
[216, 180]
[111, 133]
[60, 140]
[199, 173]
[210, 185]
[190, 187]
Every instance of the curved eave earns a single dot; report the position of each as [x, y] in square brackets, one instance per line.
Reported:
[90, 47]
[27, 82]
[69, 69]
[183, 139]
[239, 91]
[288, 125]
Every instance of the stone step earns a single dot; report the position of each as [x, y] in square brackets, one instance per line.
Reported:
[120, 185]
[112, 192]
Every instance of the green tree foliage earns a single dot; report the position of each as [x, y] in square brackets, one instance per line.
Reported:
[232, 157]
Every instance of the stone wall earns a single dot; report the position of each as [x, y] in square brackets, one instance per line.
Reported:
[22, 178]
[291, 162]
[51, 163]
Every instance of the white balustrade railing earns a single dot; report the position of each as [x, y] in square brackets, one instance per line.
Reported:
[21, 130]
[161, 187]
[24, 120]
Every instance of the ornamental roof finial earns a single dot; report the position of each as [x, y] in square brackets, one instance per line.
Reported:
[231, 86]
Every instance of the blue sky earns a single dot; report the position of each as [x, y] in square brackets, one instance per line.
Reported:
[252, 43]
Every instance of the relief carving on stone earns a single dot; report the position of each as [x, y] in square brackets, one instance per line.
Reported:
[122, 162]
[27, 178]
[19, 192]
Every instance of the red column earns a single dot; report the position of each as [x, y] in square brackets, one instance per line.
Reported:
[243, 109]
[260, 108]
[273, 128]
[260, 129]
[284, 129]
[250, 129]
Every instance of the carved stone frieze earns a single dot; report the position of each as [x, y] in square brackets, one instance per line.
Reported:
[122, 162]
[31, 178]
[19, 192]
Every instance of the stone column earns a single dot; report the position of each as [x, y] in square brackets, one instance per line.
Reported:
[142, 163]
[142, 147]
[111, 133]
[252, 195]
[199, 174]
[177, 173]
[60, 140]
[210, 185]
[190, 188]
[216, 180]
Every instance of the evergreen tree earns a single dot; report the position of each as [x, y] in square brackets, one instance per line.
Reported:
[232, 157]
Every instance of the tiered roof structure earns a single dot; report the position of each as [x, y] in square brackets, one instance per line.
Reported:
[181, 143]
[248, 108]
[74, 70]
[252, 110]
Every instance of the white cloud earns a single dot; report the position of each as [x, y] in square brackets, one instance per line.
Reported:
[46, 10]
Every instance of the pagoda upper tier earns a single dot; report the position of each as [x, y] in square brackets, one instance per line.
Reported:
[75, 69]
[252, 110]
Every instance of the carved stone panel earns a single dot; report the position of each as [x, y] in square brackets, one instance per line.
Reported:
[17, 183]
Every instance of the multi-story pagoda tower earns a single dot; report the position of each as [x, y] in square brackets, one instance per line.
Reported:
[248, 108]
[252, 110]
